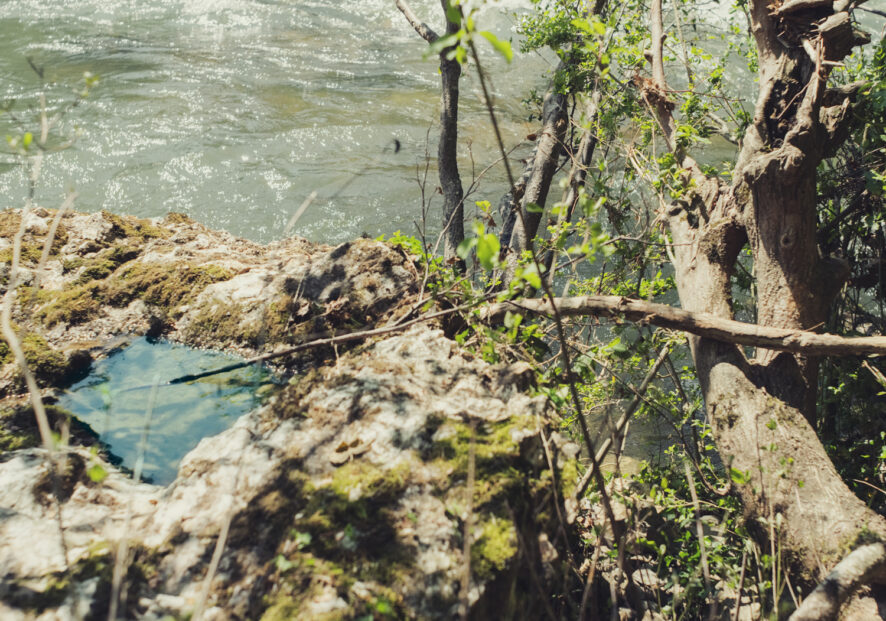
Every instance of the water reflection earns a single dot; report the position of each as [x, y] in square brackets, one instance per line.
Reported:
[182, 414]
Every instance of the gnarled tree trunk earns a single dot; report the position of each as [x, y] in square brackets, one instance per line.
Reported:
[760, 409]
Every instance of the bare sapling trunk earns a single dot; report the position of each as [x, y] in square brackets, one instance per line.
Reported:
[447, 149]
[535, 183]
[447, 162]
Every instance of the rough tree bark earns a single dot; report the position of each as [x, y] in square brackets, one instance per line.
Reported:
[541, 167]
[447, 161]
[760, 408]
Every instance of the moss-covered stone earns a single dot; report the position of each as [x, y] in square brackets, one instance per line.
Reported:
[95, 566]
[494, 548]
[167, 286]
[32, 245]
[49, 366]
[71, 306]
[18, 427]
[107, 262]
[161, 284]
[132, 228]
[174, 217]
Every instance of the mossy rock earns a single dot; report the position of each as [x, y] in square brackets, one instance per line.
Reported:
[132, 228]
[32, 245]
[167, 286]
[49, 366]
[18, 428]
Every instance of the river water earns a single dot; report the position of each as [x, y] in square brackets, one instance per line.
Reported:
[234, 111]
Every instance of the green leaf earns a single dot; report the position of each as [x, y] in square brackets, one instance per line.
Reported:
[97, 473]
[502, 47]
[27, 139]
[488, 248]
[284, 564]
[531, 276]
[465, 247]
[453, 14]
[443, 43]
[533, 208]
[512, 320]
[738, 477]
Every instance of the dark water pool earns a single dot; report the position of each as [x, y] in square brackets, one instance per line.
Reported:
[182, 414]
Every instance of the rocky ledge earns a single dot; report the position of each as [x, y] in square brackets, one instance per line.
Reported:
[347, 495]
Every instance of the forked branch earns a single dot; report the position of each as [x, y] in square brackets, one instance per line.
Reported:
[425, 32]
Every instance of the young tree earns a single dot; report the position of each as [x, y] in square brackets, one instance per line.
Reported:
[761, 407]
[447, 149]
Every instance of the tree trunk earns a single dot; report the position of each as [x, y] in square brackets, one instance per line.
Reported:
[447, 161]
[760, 409]
[447, 150]
[521, 228]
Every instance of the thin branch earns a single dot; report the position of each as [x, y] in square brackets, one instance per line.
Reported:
[623, 421]
[320, 339]
[701, 324]
[546, 288]
[425, 32]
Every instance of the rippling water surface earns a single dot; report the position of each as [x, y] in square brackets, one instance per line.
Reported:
[233, 111]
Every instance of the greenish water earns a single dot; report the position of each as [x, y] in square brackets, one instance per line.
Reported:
[180, 415]
[234, 111]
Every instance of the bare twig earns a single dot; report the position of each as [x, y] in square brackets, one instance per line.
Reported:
[699, 530]
[121, 561]
[465, 594]
[320, 339]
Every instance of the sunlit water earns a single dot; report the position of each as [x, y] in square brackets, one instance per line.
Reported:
[180, 415]
[234, 111]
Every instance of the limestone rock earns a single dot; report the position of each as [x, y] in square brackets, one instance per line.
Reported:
[345, 495]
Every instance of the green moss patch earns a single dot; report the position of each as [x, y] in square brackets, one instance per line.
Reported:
[18, 428]
[174, 217]
[107, 262]
[49, 366]
[339, 533]
[32, 245]
[495, 547]
[132, 228]
[161, 284]
[167, 286]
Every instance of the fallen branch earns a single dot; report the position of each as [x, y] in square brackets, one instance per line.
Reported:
[699, 324]
[318, 339]
[862, 566]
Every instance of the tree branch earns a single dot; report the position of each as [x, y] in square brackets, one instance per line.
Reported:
[425, 32]
[862, 566]
[701, 324]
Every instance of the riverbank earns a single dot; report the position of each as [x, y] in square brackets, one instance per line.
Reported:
[347, 494]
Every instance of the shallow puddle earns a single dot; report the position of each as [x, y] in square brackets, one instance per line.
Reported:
[114, 398]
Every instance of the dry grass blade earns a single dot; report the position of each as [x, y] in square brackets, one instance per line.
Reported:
[121, 561]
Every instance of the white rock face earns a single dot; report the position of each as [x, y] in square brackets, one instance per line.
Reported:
[347, 491]
[381, 404]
